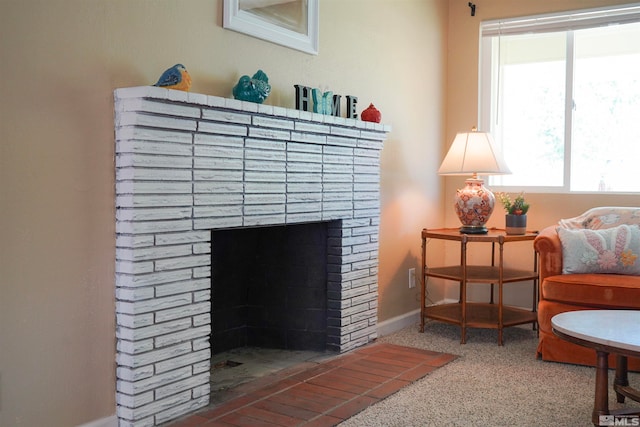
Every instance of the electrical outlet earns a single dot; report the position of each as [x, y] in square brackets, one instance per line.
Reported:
[412, 278]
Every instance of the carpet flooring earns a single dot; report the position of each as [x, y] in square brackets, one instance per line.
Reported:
[488, 385]
[324, 393]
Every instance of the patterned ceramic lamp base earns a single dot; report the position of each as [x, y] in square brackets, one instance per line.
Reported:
[474, 204]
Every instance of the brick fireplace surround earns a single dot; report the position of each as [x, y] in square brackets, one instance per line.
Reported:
[189, 163]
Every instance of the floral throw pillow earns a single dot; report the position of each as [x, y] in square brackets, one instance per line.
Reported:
[611, 250]
[603, 217]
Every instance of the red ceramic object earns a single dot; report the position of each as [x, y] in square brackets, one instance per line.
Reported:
[371, 114]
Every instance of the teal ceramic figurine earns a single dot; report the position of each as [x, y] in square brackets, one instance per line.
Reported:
[255, 89]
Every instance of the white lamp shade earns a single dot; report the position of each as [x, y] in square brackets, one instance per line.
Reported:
[471, 153]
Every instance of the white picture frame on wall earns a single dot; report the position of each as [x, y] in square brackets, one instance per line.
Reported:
[290, 23]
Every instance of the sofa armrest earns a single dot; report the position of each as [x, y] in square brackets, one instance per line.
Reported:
[549, 249]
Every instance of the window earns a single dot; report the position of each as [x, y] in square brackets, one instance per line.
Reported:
[561, 96]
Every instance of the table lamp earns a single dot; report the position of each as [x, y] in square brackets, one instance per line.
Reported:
[473, 153]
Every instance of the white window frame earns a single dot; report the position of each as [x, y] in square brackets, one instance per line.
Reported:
[553, 22]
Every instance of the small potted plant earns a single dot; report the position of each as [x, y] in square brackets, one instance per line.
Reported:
[516, 217]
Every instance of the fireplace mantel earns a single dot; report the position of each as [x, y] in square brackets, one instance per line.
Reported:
[190, 163]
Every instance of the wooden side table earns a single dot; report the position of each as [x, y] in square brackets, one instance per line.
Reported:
[473, 314]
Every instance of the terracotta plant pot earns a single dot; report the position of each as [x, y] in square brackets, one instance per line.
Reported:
[516, 224]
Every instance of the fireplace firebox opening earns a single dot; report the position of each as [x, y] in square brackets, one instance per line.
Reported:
[269, 287]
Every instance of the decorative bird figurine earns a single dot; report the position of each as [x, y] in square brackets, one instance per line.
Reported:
[255, 89]
[176, 77]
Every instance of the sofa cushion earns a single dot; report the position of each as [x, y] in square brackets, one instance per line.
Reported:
[610, 250]
[594, 290]
[603, 217]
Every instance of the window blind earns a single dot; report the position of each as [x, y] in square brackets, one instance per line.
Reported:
[563, 21]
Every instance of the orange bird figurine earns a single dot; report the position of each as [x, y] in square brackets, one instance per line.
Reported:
[176, 77]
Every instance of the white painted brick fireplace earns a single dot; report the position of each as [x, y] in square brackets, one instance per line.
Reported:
[189, 163]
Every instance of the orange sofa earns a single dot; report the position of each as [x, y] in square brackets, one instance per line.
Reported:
[590, 288]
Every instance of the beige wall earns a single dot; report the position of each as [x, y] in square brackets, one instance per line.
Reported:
[414, 59]
[61, 60]
[462, 114]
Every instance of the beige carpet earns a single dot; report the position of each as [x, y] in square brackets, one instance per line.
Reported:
[487, 385]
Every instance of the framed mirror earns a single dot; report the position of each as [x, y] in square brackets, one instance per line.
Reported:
[290, 23]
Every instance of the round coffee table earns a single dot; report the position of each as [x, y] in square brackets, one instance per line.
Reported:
[607, 332]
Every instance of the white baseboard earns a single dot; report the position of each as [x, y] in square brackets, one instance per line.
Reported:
[111, 421]
[394, 324]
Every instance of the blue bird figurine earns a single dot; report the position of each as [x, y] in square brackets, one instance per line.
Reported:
[176, 77]
[255, 89]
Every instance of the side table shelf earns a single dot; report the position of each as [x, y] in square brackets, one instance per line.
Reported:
[474, 314]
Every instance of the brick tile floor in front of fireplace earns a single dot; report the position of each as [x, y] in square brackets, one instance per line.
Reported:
[319, 393]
